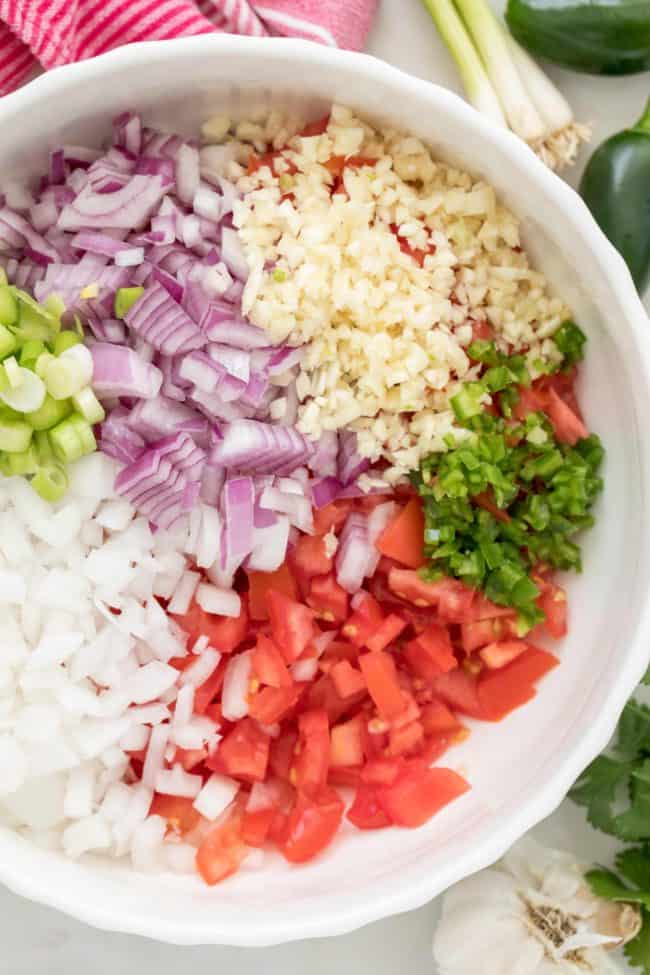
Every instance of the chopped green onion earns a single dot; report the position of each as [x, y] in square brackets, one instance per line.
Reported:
[22, 463]
[86, 403]
[63, 377]
[15, 435]
[13, 372]
[72, 438]
[8, 342]
[26, 396]
[570, 339]
[467, 402]
[8, 307]
[30, 352]
[65, 340]
[51, 482]
[50, 413]
[125, 298]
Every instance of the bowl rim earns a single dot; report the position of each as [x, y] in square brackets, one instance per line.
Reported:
[416, 891]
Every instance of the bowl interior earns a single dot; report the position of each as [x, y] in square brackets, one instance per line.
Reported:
[519, 768]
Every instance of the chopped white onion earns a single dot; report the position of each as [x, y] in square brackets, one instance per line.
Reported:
[215, 796]
[222, 602]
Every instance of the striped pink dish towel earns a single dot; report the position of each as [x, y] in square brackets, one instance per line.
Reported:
[47, 33]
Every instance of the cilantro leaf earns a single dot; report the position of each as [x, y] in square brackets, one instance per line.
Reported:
[637, 951]
[646, 677]
[607, 885]
[597, 788]
[634, 865]
[633, 730]
[634, 823]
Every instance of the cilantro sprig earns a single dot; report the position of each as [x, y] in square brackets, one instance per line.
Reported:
[508, 495]
[615, 789]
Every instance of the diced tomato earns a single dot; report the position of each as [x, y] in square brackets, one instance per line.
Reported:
[365, 620]
[328, 599]
[553, 603]
[568, 427]
[436, 745]
[563, 383]
[223, 632]
[388, 630]
[292, 624]
[268, 664]
[437, 719]
[482, 330]
[418, 793]
[420, 662]
[416, 253]
[346, 776]
[502, 691]
[406, 739]
[403, 538]
[453, 599]
[496, 655]
[436, 642]
[486, 501]
[315, 128]
[323, 694]
[531, 400]
[244, 752]
[310, 558]
[378, 668]
[189, 758]
[484, 609]
[272, 704]
[331, 517]
[179, 812]
[281, 754]
[382, 771]
[259, 584]
[365, 812]
[206, 693]
[338, 650]
[221, 852]
[347, 679]
[312, 824]
[346, 743]
[313, 753]
[335, 165]
[256, 825]
[458, 690]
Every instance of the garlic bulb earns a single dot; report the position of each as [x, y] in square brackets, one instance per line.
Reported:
[531, 914]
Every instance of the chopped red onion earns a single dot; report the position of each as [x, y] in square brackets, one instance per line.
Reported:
[160, 320]
[119, 371]
[354, 552]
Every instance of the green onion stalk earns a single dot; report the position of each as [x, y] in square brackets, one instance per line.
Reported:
[503, 82]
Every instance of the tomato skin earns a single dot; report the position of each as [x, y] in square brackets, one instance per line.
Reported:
[223, 632]
[259, 584]
[418, 793]
[221, 852]
[292, 624]
[312, 824]
[309, 557]
[403, 537]
[366, 812]
[312, 761]
[272, 704]
[244, 752]
[268, 664]
[553, 603]
[328, 600]
[378, 669]
[347, 679]
[179, 812]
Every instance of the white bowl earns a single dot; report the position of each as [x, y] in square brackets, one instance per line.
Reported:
[521, 768]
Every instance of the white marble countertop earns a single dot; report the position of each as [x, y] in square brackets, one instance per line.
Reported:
[36, 940]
